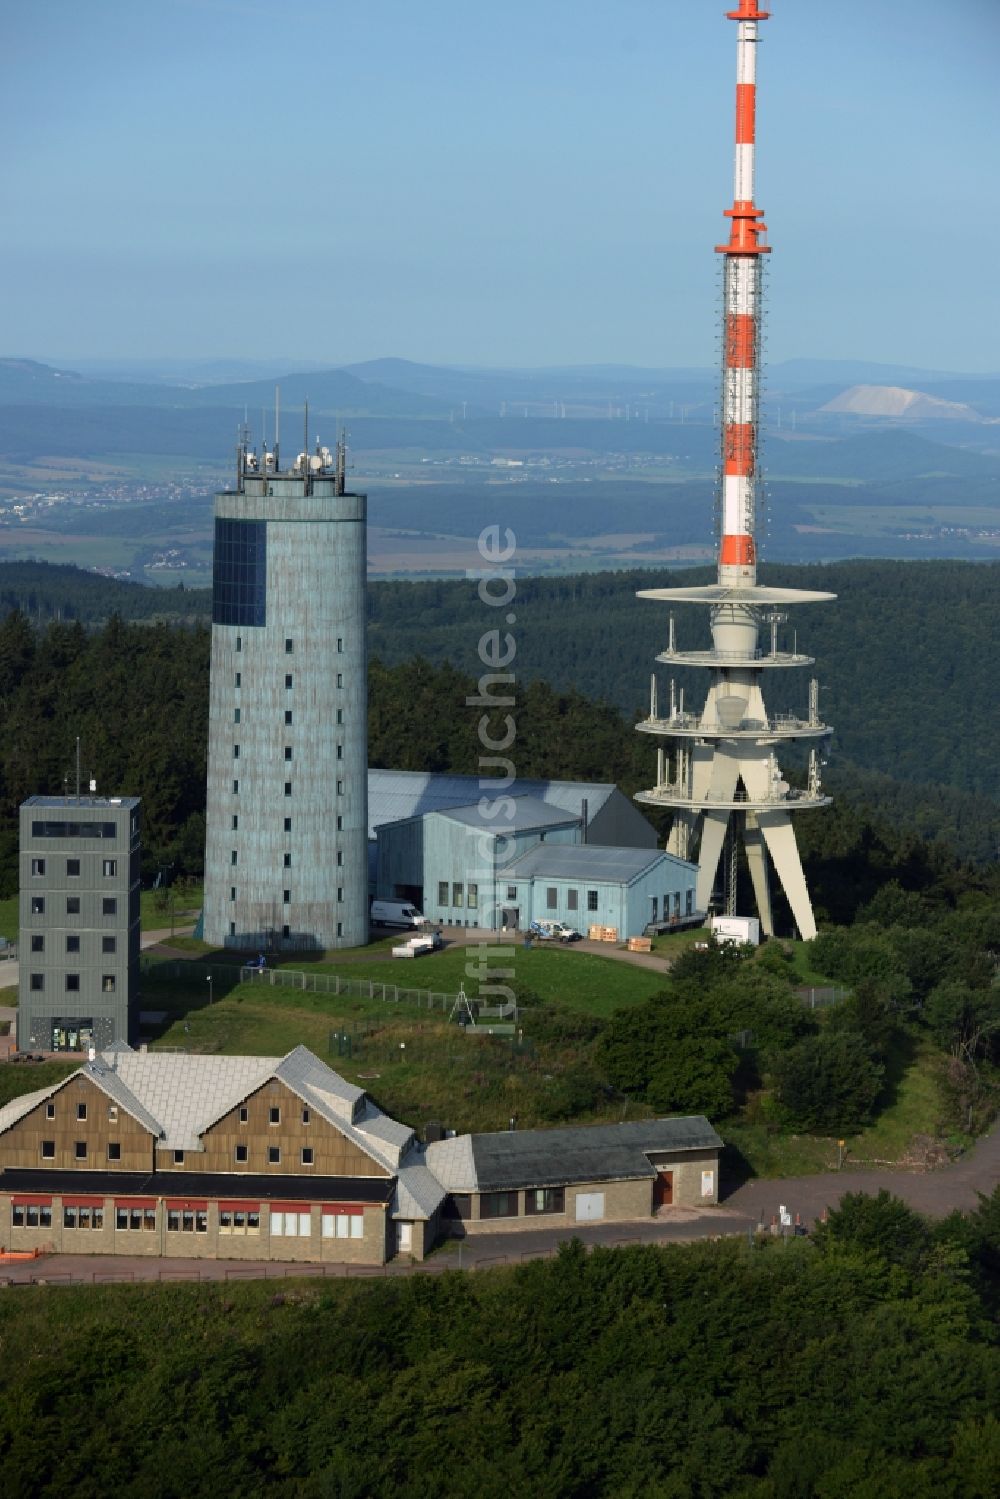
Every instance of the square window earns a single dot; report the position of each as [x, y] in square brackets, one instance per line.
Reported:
[81, 1111]
[288, 751]
[50, 1110]
[178, 1157]
[286, 896]
[288, 788]
[48, 1150]
[37, 942]
[72, 943]
[37, 982]
[592, 900]
[307, 1155]
[274, 1155]
[274, 1114]
[288, 679]
[288, 715]
[288, 824]
[109, 906]
[80, 1150]
[38, 905]
[73, 868]
[109, 868]
[72, 905]
[236, 788]
[108, 983]
[109, 944]
[114, 1150]
[242, 1154]
[38, 866]
[289, 647]
[73, 983]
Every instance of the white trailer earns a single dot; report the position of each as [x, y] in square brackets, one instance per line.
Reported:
[736, 929]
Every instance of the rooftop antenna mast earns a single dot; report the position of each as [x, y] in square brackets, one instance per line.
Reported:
[277, 425]
[340, 486]
[78, 767]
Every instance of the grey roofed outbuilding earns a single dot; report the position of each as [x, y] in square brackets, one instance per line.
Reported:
[557, 1157]
[395, 795]
[586, 861]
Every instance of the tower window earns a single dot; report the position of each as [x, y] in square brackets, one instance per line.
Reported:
[236, 752]
[239, 642]
[340, 646]
[289, 647]
[340, 856]
[72, 943]
[109, 905]
[236, 788]
[237, 680]
[37, 942]
[232, 929]
[340, 679]
[288, 824]
[38, 905]
[234, 857]
[288, 679]
[286, 931]
[340, 893]
[236, 715]
[288, 788]
[288, 861]
[38, 866]
[236, 821]
[288, 715]
[340, 751]
[340, 715]
[286, 896]
[73, 867]
[340, 823]
[340, 788]
[73, 983]
[340, 928]
[232, 892]
[288, 751]
[109, 944]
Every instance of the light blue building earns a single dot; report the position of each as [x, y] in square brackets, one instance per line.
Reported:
[502, 863]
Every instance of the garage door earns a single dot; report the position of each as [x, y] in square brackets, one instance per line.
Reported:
[589, 1205]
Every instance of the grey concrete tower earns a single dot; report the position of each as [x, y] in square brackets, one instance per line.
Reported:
[286, 855]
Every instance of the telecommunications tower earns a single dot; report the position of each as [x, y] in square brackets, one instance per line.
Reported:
[718, 770]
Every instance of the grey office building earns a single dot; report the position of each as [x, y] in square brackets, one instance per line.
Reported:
[79, 920]
[286, 839]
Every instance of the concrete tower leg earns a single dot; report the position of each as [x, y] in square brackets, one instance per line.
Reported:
[713, 835]
[781, 845]
[757, 860]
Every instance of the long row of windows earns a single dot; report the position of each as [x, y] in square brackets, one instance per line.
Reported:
[73, 940]
[109, 868]
[194, 1220]
[71, 983]
[109, 905]
[537, 1201]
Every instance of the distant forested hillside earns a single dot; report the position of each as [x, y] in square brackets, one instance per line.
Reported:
[45, 591]
[904, 656]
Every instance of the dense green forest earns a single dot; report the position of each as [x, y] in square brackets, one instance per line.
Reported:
[864, 1363]
[137, 696]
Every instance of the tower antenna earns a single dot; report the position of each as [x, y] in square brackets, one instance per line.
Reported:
[277, 425]
[726, 784]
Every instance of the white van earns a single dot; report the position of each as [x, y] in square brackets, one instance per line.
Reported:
[396, 913]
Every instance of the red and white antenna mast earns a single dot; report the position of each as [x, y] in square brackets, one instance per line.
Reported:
[742, 315]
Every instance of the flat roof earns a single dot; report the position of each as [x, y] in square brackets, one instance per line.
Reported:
[217, 1185]
[395, 795]
[81, 803]
[529, 813]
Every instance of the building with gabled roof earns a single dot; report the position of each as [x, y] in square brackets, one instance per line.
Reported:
[281, 1158]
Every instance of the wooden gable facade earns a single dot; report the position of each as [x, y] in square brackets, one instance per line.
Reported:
[78, 1128]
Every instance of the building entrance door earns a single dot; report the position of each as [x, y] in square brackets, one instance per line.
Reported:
[663, 1189]
[511, 918]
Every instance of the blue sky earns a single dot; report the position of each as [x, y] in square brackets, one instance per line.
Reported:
[517, 183]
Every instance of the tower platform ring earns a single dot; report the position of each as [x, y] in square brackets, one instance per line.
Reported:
[755, 596]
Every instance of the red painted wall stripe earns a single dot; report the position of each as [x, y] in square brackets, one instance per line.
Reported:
[737, 551]
[738, 449]
[746, 110]
[739, 341]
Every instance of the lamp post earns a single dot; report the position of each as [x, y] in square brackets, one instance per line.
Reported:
[209, 977]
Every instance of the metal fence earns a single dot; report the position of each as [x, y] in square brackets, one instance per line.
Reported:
[228, 975]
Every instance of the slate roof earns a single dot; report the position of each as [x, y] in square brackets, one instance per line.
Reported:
[586, 861]
[395, 795]
[557, 1157]
[18, 1107]
[418, 1193]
